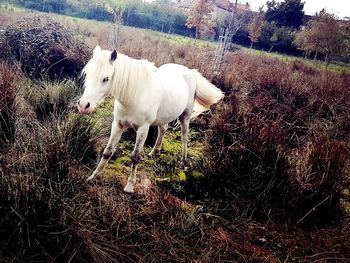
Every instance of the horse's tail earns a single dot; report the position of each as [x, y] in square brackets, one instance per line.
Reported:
[206, 94]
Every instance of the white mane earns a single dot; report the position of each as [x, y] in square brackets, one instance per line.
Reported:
[131, 77]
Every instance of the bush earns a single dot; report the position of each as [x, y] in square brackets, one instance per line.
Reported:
[44, 47]
[281, 151]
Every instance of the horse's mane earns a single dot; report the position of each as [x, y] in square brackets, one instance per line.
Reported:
[131, 77]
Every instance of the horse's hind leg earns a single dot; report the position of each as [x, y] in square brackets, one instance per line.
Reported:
[116, 133]
[161, 131]
[185, 123]
[141, 136]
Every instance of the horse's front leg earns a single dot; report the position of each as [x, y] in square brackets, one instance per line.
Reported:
[141, 136]
[116, 133]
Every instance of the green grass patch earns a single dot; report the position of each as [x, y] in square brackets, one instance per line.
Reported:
[334, 66]
[183, 40]
[168, 168]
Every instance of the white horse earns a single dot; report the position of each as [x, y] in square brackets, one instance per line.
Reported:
[144, 95]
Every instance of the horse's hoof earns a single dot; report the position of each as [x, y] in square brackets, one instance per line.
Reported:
[129, 188]
[154, 153]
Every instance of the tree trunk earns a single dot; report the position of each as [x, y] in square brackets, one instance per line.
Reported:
[251, 44]
[197, 33]
[127, 17]
[171, 27]
[117, 23]
[326, 58]
[315, 55]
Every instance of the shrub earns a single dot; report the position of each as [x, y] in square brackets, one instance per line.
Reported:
[44, 47]
[263, 151]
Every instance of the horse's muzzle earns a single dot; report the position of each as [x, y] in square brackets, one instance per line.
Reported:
[84, 107]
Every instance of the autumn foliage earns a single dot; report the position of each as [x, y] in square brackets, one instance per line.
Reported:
[200, 16]
[322, 35]
[255, 28]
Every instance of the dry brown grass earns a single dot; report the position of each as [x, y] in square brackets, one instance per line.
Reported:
[8, 80]
[276, 149]
[279, 140]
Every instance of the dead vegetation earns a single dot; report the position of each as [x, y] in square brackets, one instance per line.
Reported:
[8, 79]
[44, 48]
[282, 132]
[275, 164]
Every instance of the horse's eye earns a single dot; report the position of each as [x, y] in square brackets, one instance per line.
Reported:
[105, 79]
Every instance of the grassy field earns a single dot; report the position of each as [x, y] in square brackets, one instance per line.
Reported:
[267, 179]
[86, 26]
[333, 66]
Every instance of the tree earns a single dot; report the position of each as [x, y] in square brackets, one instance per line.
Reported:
[288, 13]
[57, 6]
[322, 35]
[200, 16]
[273, 41]
[231, 23]
[255, 27]
[345, 32]
[232, 20]
[116, 8]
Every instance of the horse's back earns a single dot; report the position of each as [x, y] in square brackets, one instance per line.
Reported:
[174, 67]
[181, 76]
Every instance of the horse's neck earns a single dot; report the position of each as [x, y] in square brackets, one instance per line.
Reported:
[131, 78]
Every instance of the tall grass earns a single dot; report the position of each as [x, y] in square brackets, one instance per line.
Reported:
[278, 143]
[8, 79]
[40, 172]
[49, 213]
[53, 98]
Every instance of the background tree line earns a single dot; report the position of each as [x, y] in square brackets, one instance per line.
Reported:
[283, 27]
[160, 15]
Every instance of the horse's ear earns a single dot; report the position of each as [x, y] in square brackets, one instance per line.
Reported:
[97, 50]
[113, 55]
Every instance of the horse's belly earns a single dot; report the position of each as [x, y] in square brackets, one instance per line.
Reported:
[174, 101]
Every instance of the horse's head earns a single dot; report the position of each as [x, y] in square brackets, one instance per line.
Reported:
[98, 75]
